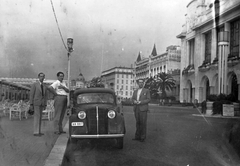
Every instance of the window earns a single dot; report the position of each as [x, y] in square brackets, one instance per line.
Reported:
[126, 76]
[126, 93]
[208, 43]
[126, 81]
[95, 98]
[191, 51]
[117, 75]
[126, 87]
[122, 76]
[122, 82]
[117, 87]
[234, 38]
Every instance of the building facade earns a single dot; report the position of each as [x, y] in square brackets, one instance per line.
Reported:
[168, 62]
[120, 79]
[204, 52]
[78, 82]
[19, 88]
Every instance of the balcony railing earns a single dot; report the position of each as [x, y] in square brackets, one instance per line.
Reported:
[188, 70]
[232, 61]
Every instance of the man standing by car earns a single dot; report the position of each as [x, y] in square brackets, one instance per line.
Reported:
[60, 91]
[38, 102]
[141, 98]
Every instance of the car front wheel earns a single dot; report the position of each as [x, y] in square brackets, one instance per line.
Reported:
[120, 142]
[73, 140]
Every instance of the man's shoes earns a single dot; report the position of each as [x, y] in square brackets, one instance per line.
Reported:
[136, 139]
[59, 132]
[37, 135]
[142, 140]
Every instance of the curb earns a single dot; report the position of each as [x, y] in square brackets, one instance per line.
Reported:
[217, 116]
[173, 106]
[56, 155]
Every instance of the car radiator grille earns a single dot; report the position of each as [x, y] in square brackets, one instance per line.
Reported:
[99, 126]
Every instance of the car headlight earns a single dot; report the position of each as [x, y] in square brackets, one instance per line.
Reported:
[81, 115]
[111, 114]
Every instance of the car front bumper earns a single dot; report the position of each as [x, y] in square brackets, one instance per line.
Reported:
[98, 136]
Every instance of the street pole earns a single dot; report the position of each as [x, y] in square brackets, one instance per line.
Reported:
[70, 49]
[69, 78]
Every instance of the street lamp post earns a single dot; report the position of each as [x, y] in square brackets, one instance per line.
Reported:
[70, 49]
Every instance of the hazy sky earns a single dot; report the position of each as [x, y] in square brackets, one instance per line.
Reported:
[106, 33]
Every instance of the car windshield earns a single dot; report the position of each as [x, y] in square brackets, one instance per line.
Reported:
[95, 98]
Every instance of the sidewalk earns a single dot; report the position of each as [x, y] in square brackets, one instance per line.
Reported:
[18, 146]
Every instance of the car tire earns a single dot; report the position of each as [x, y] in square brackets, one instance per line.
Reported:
[120, 143]
[73, 141]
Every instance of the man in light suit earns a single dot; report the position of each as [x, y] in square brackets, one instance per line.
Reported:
[60, 91]
[38, 103]
[141, 98]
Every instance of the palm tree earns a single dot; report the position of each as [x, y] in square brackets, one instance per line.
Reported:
[149, 83]
[163, 82]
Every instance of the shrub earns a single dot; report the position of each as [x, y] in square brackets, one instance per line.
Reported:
[172, 98]
[222, 97]
[212, 97]
[231, 97]
[218, 106]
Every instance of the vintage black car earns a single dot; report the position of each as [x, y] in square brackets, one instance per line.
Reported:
[95, 113]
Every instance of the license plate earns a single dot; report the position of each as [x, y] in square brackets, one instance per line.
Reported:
[77, 123]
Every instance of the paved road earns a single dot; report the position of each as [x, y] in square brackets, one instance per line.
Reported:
[175, 138]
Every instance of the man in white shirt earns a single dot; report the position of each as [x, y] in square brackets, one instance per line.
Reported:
[60, 91]
[141, 98]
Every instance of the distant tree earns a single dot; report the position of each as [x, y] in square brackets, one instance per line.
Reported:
[96, 82]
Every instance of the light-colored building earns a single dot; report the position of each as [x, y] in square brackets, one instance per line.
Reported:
[78, 82]
[203, 53]
[168, 62]
[141, 68]
[120, 79]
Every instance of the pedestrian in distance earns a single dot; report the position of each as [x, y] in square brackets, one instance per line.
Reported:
[141, 98]
[60, 92]
[38, 103]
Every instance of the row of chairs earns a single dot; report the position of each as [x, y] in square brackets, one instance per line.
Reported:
[14, 109]
[49, 112]
[20, 110]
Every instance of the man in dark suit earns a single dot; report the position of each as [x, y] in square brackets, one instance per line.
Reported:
[38, 102]
[141, 98]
